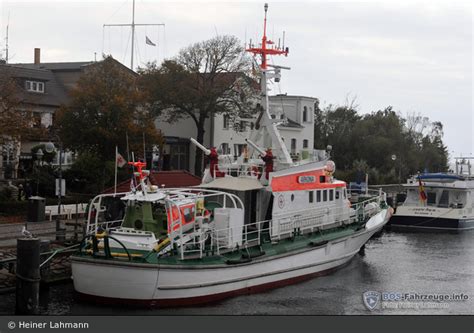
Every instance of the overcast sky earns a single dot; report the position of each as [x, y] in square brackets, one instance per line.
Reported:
[415, 56]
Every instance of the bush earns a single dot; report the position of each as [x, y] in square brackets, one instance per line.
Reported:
[13, 207]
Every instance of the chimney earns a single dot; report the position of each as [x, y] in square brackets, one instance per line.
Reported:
[37, 56]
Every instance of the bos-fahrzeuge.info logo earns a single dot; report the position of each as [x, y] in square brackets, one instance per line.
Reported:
[410, 300]
[371, 299]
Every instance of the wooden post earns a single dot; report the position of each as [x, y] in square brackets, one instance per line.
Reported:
[45, 247]
[27, 276]
[77, 221]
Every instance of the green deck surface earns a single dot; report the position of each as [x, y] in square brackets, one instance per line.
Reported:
[265, 250]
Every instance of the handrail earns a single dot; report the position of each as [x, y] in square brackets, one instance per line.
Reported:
[106, 248]
[282, 226]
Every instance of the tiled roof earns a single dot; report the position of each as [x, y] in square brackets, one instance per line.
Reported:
[58, 66]
[175, 178]
[54, 94]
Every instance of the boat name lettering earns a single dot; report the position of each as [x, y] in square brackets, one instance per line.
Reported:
[306, 179]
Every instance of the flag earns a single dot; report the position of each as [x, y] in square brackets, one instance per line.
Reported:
[149, 42]
[120, 161]
[421, 189]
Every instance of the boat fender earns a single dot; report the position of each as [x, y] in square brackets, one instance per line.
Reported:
[316, 244]
[158, 247]
[238, 261]
[251, 256]
[100, 235]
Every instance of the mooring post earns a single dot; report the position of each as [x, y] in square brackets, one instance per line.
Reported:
[45, 247]
[27, 276]
[77, 221]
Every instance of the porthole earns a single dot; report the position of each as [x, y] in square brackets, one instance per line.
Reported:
[138, 224]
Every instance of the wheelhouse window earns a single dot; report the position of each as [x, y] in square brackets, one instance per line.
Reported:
[325, 195]
[444, 199]
[311, 196]
[331, 195]
[338, 194]
[431, 196]
[318, 196]
[322, 179]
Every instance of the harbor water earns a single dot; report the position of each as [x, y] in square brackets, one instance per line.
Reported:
[393, 262]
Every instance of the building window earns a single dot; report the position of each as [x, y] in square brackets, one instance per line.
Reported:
[311, 196]
[225, 125]
[36, 121]
[239, 149]
[34, 86]
[305, 114]
[305, 143]
[243, 126]
[225, 148]
[293, 146]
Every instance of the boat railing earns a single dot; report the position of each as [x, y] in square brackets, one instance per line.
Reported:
[225, 239]
[97, 218]
[249, 170]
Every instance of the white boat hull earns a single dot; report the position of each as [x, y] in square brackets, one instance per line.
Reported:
[436, 218]
[191, 284]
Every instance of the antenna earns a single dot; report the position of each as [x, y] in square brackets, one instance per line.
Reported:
[6, 40]
[263, 51]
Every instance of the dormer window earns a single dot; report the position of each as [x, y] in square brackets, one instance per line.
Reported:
[34, 86]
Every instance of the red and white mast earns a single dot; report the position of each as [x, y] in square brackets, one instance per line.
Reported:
[267, 123]
[263, 51]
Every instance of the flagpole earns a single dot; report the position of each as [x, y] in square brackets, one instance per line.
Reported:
[115, 186]
[128, 151]
[144, 151]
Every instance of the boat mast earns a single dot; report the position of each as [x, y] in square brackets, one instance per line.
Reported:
[132, 25]
[267, 122]
[133, 35]
[6, 40]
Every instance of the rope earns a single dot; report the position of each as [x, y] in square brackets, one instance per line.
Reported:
[38, 279]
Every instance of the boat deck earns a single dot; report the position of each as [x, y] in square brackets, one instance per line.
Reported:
[266, 249]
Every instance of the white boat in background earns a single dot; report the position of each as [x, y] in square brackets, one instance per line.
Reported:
[439, 201]
[260, 222]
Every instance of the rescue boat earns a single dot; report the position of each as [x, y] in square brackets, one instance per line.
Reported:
[256, 223]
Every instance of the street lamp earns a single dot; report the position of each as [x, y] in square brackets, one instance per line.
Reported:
[39, 156]
[49, 147]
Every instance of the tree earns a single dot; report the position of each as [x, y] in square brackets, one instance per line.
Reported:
[13, 122]
[205, 79]
[365, 144]
[106, 106]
